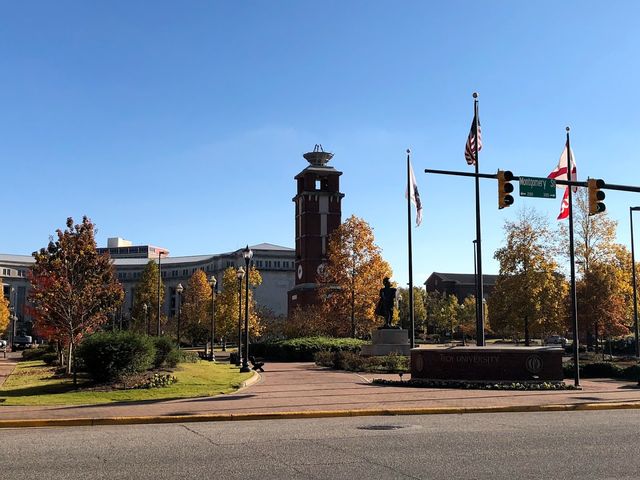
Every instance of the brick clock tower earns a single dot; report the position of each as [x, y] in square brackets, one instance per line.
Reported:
[318, 213]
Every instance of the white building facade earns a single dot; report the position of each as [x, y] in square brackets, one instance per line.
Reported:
[275, 263]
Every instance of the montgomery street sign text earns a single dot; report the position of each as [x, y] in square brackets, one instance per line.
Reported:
[538, 187]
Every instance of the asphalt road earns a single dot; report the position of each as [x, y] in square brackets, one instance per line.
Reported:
[580, 445]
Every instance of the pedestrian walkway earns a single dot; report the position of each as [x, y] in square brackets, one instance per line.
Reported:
[8, 361]
[303, 389]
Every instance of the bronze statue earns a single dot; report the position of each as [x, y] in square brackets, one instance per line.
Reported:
[386, 303]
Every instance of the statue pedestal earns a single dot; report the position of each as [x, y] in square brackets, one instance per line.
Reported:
[386, 341]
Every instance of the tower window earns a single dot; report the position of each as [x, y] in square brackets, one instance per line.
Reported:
[317, 184]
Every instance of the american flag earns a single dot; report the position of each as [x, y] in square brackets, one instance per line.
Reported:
[469, 150]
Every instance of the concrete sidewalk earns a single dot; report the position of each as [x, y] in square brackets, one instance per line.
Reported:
[293, 390]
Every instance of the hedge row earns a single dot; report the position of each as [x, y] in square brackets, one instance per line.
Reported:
[354, 362]
[604, 370]
[303, 349]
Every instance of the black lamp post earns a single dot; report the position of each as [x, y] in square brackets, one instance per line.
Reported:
[160, 253]
[145, 309]
[240, 275]
[212, 282]
[247, 253]
[12, 319]
[633, 277]
[179, 290]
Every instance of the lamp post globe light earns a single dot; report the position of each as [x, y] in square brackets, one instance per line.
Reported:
[247, 253]
[179, 290]
[145, 309]
[160, 253]
[240, 276]
[213, 282]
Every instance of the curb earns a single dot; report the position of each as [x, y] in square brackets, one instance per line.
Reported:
[74, 422]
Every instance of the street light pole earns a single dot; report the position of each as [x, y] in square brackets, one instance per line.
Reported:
[179, 290]
[240, 276]
[160, 253]
[248, 255]
[145, 309]
[633, 277]
[212, 282]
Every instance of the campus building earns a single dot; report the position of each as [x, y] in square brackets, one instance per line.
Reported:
[459, 284]
[275, 263]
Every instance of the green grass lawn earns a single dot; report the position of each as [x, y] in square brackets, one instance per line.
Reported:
[33, 383]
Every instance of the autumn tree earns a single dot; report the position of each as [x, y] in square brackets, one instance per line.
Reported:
[594, 235]
[196, 307]
[4, 315]
[352, 279]
[603, 288]
[73, 286]
[146, 292]
[529, 295]
[227, 308]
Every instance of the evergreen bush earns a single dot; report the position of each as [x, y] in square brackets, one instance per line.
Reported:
[165, 348]
[110, 356]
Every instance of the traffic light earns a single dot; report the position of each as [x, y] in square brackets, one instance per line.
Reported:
[596, 196]
[505, 188]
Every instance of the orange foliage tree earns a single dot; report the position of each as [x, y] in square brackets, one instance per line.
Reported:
[351, 281]
[73, 287]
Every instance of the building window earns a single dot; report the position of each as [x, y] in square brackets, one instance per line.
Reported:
[185, 271]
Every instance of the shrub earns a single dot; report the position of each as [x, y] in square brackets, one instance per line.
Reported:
[33, 353]
[303, 349]
[600, 370]
[184, 356]
[631, 373]
[109, 356]
[164, 349]
[353, 362]
[50, 358]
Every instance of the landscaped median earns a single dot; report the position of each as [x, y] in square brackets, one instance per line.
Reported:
[34, 383]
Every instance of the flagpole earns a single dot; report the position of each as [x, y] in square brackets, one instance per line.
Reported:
[574, 310]
[412, 329]
[479, 287]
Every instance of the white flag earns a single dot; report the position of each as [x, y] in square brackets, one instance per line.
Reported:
[415, 196]
[560, 172]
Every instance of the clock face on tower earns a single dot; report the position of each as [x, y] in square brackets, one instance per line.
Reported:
[299, 272]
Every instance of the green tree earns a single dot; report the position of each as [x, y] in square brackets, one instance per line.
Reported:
[529, 296]
[227, 309]
[351, 282]
[146, 292]
[467, 316]
[441, 312]
[196, 308]
[4, 315]
[419, 310]
[73, 287]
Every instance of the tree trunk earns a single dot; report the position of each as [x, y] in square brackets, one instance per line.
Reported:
[69, 358]
[527, 340]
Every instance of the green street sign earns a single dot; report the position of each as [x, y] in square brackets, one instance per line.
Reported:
[538, 187]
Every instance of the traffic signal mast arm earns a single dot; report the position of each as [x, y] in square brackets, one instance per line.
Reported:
[573, 183]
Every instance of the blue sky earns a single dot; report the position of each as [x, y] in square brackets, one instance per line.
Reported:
[182, 124]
